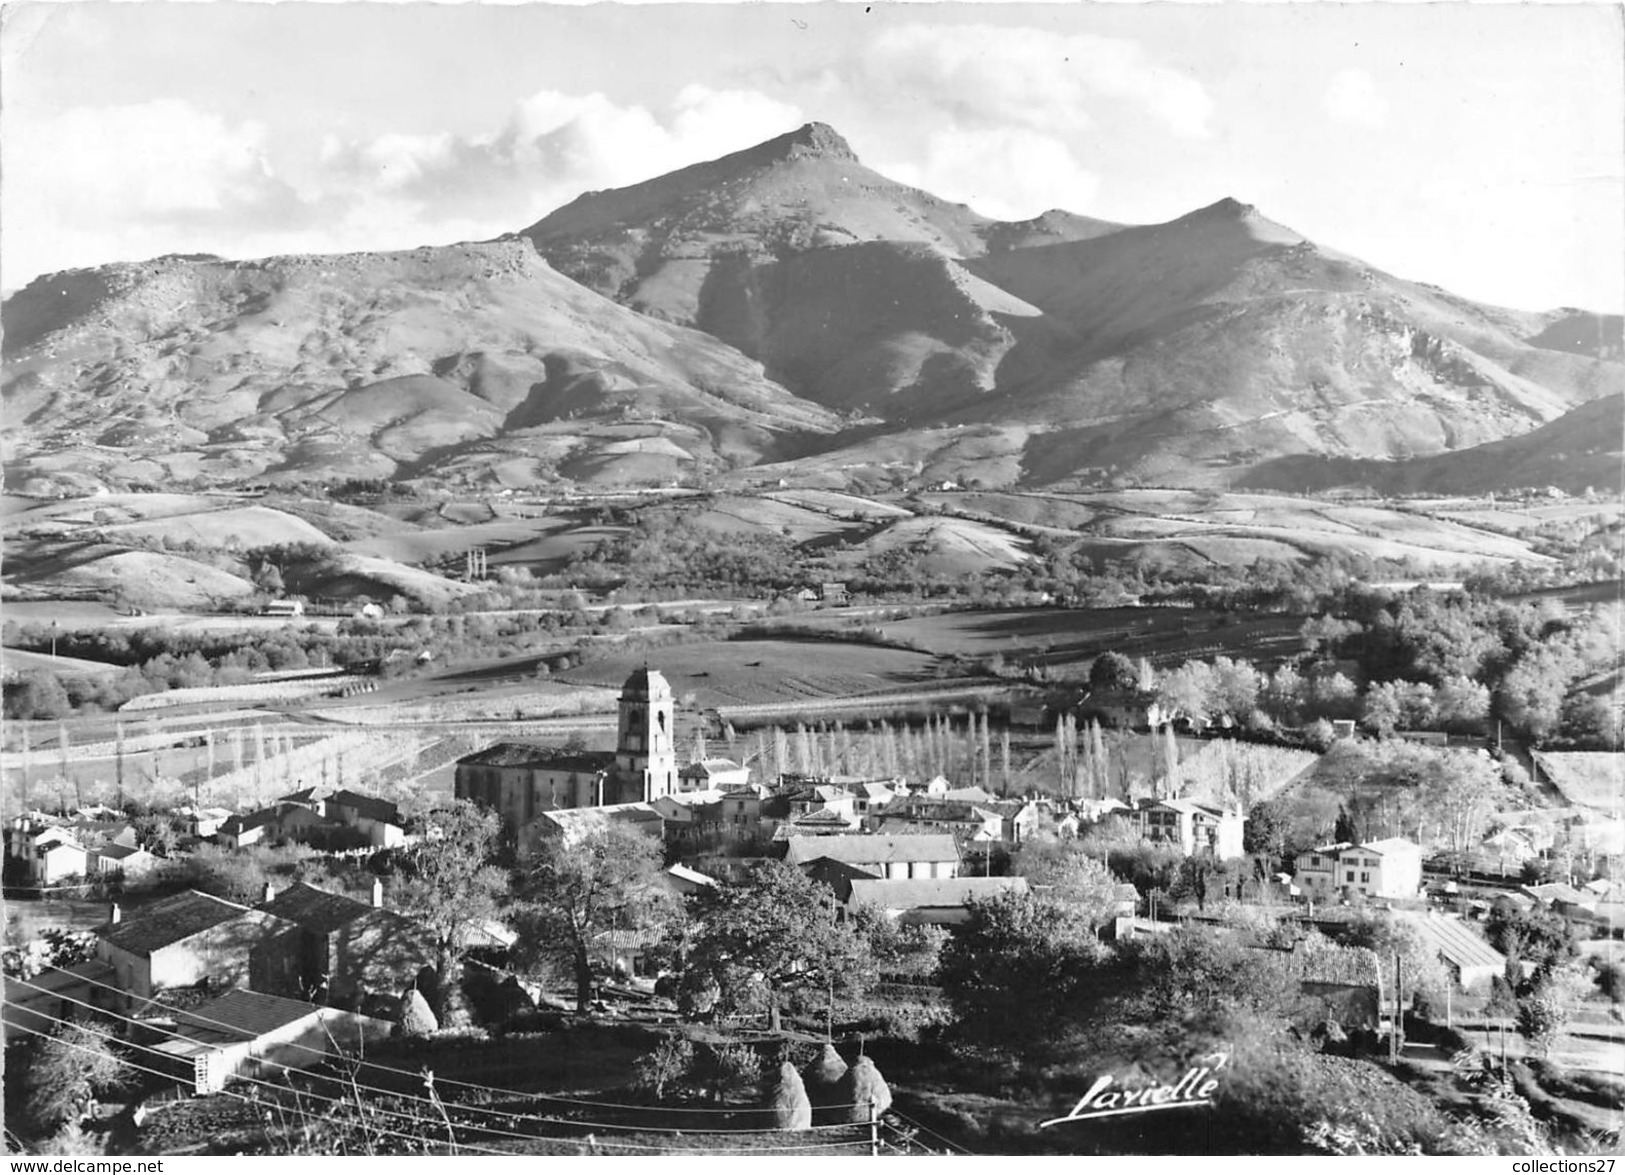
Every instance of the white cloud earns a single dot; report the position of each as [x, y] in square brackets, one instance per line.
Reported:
[124, 183]
[1009, 175]
[1353, 99]
[988, 75]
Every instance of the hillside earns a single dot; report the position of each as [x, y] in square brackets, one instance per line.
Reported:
[367, 365]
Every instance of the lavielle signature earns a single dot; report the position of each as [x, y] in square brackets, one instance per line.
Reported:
[1107, 1099]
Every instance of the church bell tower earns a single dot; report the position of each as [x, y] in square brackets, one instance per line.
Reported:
[645, 756]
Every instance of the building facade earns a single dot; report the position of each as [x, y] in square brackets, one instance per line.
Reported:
[520, 781]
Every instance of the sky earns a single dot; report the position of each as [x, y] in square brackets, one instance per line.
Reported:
[1475, 146]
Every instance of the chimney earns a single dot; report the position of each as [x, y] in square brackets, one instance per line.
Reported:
[270, 891]
[114, 914]
[377, 894]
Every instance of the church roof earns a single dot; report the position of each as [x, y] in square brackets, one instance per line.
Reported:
[646, 683]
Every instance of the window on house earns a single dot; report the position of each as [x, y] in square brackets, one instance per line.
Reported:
[1365, 877]
[1350, 877]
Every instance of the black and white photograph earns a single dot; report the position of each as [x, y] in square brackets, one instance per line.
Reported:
[800, 580]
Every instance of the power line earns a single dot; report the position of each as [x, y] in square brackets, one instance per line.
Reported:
[300, 1111]
[433, 1103]
[921, 1126]
[510, 1093]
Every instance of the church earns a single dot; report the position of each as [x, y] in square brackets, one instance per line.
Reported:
[521, 780]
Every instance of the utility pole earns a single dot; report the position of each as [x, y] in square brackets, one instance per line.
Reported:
[874, 1128]
[1394, 1036]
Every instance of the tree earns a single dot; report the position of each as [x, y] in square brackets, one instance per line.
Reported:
[574, 890]
[452, 886]
[1022, 970]
[1194, 974]
[74, 1065]
[1266, 830]
[1113, 671]
[775, 936]
[1542, 1016]
[1063, 871]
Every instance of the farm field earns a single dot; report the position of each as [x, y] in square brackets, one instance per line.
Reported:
[721, 673]
[1066, 636]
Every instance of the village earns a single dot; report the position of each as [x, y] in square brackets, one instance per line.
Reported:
[385, 931]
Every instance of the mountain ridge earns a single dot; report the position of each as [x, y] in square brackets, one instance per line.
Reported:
[783, 306]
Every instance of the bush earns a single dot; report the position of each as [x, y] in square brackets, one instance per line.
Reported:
[664, 1066]
[735, 1065]
[1611, 981]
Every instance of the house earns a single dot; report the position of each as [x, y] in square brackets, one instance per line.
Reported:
[240, 831]
[574, 823]
[1198, 829]
[257, 1036]
[55, 859]
[521, 781]
[284, 608]
[1316, 871]
[833, 593]
[938, 901]
[1471, 961]
[968, 822]
[821, 822]
[120, 859]
[192, 938]
[683, 881]
[1390, 868]
[690, 816]
[349, 948]
[204, 822]
[376, 819]
[35, 1004]
[713, 775]
[871, 795]
[826, 797]
[881, 856]
[969, 795]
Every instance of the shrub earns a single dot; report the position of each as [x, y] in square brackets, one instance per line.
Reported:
[738, 1062]
[1611, 981]
[663, 1066]
[788, 1104]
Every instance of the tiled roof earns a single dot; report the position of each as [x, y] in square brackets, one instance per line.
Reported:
[241, 1015]
[367, 807]
[873, 850]
[532, 755]
[1459, 943]
[171, 920]
[317, 910]
[263, 818]
[117, 852]
[916, 893]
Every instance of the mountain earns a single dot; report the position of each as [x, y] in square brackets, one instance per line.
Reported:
[474, 358]
[786, 312]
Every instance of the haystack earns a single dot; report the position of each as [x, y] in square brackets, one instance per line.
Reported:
[788, 1104]
[823, 1078]
[415, 1017]
[861, 1086]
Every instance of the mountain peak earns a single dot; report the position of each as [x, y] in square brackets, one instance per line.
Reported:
[814, 139]
[1228, 207]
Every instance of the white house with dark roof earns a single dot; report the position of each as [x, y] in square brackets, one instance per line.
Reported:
[713, 775]
[926, 856]
[191, 937]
